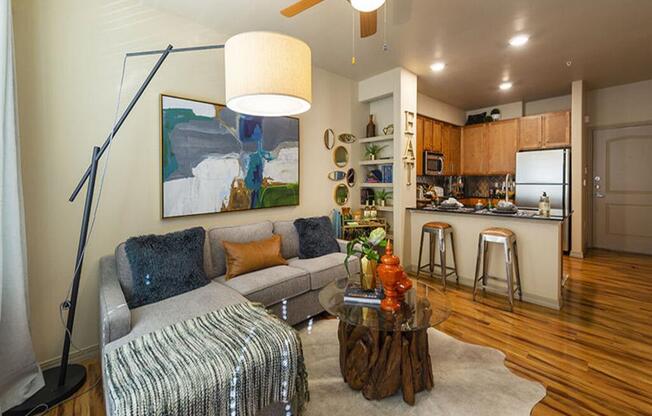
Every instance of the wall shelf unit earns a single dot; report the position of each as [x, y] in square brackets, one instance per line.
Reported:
[376, 185]
[377, 162]
[377, 139]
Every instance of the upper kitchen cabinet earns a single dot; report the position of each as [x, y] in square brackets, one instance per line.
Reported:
[420, 148]
[501, 145]
[427, 134]
[451, 136]
[530, 133]
[556, 129]
[544, 131]
[473, 150]
[437, 129]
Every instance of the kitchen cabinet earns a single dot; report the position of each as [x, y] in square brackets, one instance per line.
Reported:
[530, 133]
[427, 134]
[556, 129]
[437, 130]
[473, 149]
[451, 149]
[545, 131]
[419, 155]
[501, 145]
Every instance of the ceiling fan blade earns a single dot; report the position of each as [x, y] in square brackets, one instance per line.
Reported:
[368, 23]
[298, 7]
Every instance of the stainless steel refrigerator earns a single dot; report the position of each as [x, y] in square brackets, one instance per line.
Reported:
[546, 171]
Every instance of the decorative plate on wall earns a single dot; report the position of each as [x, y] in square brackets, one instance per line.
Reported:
[336, 175]
[340, 156]
[329, 138]
[346, 138]
[350, 177]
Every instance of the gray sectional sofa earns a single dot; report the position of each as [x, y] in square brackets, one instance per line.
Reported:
[291, 292]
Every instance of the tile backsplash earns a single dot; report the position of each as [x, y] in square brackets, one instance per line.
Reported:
[474, 186]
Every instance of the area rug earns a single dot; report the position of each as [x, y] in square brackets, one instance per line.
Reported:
[469, 380]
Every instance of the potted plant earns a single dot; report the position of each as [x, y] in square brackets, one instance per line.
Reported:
[372, 150]
[367, 247]
[382, 196]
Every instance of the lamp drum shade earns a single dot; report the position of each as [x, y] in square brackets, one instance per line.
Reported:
[267, 74]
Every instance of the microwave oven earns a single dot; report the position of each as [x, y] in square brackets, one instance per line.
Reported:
[433, 163]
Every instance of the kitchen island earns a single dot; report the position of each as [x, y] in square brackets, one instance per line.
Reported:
[539, 249]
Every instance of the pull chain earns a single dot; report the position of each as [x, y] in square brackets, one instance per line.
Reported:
[353, 37]
[385, 46]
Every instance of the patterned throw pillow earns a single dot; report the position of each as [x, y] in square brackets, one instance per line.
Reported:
[316, 237]
[167, 265]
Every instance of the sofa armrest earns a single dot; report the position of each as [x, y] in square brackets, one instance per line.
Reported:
[115, 316]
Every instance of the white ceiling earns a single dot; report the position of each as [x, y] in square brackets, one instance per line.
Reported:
[609, 42]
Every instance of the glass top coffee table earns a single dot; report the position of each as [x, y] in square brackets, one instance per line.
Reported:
[382, 351]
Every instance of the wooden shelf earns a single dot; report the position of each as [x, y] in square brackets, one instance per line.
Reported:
[385, 208]
[377, 185]
[377, 162]
[377, 139]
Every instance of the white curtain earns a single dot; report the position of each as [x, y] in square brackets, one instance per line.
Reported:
[20, 376]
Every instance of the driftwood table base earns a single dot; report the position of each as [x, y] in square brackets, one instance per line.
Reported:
[379, 362]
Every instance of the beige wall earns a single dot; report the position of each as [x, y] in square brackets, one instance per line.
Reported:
[440, 110]
[622, 104]
[69, 55]
[547, 105]
[578, 170]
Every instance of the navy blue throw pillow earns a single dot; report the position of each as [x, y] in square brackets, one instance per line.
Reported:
[316, 237]
[167, 265]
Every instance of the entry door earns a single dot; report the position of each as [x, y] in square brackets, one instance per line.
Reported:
[622, 189]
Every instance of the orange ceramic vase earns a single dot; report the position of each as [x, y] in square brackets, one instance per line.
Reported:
[394, 279]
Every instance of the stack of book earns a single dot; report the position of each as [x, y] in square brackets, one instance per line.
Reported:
[355, 294]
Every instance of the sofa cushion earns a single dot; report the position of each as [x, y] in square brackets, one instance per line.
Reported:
[164, 266]
[316, 237]
[270, 286]
[326, 269]
[289, 238]
[155, 316]
[124, 269]
[243, 258]
[236, 234]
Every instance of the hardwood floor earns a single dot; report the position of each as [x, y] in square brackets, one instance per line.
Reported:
[594, 356]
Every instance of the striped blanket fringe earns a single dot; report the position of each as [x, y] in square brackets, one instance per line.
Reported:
[233, 361]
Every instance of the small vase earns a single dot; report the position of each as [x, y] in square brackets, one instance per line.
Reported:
[372, 157]
[394, 279]
[368, 273]
[371, 127]
[382, 202]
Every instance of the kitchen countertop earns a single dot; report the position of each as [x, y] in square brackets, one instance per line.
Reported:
[520, 215]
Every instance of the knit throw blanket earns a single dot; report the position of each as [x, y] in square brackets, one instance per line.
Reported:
[233, 361]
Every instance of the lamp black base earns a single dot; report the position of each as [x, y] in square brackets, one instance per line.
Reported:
[51, 394]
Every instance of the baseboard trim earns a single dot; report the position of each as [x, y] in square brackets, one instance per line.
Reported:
[76, 357]
[577, 254]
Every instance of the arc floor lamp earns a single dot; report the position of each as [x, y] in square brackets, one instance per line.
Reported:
[266, 74]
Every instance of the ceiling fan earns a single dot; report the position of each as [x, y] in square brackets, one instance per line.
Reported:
[368, 12]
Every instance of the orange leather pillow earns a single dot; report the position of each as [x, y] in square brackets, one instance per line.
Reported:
[243, 258]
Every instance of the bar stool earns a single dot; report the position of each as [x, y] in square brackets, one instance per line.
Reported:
[437, 232]
[508, 239]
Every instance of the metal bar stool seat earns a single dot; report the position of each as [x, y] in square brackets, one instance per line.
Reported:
[508, 239]
[437, 232]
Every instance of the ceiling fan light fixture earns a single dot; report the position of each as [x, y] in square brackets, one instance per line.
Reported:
[505, 86]
[267, 74]
[367, 5]
[519, 40]
[438, 66]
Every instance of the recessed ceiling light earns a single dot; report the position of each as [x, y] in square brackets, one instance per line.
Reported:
[505, 85]
[519, 40]
[438, 66]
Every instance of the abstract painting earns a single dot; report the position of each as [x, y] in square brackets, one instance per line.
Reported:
[216, 160]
